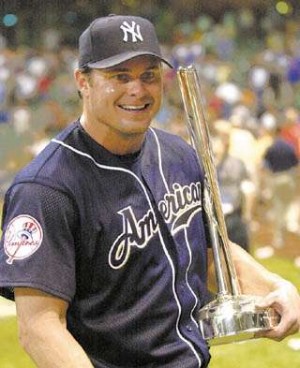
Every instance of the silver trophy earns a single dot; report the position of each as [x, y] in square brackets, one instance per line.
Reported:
[231, 316]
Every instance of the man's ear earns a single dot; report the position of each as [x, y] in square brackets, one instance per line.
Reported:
[82, 81]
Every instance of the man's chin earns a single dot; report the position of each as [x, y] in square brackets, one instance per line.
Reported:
[137, 127]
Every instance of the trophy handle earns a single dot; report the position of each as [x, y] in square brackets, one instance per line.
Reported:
[231, 316]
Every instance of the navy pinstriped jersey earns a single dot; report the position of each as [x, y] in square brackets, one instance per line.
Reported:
[121, 238]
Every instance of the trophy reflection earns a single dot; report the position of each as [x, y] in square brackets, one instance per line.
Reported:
[230, 316]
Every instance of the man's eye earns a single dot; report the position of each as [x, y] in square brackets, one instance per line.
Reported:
[149, 77]
[124, 78]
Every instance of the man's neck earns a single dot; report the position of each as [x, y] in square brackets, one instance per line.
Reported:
[116, 143]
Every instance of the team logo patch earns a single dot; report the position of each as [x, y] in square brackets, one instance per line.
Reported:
[23, 237]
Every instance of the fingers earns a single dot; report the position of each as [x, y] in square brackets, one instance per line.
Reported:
[279, 332]
[285, 301]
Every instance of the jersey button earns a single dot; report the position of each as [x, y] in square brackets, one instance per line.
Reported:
[189, 328]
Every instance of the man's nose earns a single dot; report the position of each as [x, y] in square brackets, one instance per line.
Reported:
[136, 87]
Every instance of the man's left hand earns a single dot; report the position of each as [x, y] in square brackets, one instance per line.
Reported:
[285, 300]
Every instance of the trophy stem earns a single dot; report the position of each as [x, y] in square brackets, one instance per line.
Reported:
[200, 139]
[214, 235]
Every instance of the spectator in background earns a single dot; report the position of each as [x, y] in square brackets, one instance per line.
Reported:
[236, 189]
[242, 139]
[280, 163]
[267, 124]
[290, 130]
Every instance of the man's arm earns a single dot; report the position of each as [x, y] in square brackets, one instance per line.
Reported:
[277, 293]
[43, 333]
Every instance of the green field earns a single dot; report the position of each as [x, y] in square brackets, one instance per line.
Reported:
[252, 354]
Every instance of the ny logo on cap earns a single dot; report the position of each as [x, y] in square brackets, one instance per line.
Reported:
[133, 30]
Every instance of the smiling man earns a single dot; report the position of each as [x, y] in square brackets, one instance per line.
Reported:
[120, 102]
[117, 263]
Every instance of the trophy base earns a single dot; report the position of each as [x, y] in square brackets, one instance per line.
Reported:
[234, 318]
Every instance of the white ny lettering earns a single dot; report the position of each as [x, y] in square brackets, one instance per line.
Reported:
[133, 29]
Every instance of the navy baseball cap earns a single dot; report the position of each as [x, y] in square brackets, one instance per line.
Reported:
[111, 40]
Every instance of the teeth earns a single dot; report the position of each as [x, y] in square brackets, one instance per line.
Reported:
[133, 108]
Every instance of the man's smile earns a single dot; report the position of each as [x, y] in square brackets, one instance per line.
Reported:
[134, 107]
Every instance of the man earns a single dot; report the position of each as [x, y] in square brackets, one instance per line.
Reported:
[236, 188]
[116, 264]
[281, 164]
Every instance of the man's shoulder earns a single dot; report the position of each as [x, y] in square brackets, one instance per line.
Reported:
[170, 139]
[174, 148]
[45, 165]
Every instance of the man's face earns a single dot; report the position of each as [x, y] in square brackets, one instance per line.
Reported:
[124, 99]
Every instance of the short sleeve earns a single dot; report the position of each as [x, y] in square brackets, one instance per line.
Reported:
[37, 247]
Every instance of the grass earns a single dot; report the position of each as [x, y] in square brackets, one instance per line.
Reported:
[260, 353]
[11, 354]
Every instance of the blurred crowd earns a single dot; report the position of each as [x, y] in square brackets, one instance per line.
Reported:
[251, 98]
[250, 81]
[37, 98]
